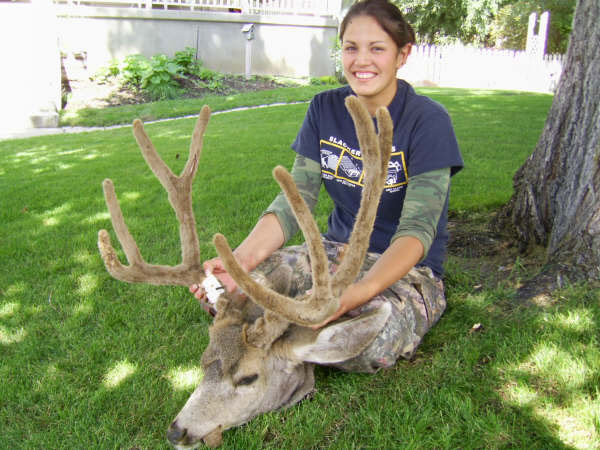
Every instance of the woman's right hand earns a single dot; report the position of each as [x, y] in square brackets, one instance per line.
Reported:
[266, 237]
[215, 266]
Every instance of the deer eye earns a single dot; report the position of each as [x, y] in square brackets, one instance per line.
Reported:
[246, 381]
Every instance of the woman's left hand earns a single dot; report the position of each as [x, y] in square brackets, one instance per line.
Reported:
[354, 296]
[392, 265]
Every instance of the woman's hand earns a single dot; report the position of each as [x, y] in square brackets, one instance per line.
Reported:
[215, 267]
[266, 237]
[354, 296]
[392, 265]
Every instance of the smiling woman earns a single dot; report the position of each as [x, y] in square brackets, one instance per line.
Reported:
[376, 42]
[410, 227]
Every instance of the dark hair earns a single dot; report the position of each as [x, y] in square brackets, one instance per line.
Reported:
[387, 15]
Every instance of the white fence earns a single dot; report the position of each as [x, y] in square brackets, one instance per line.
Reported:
[477, 68]
[325, 8]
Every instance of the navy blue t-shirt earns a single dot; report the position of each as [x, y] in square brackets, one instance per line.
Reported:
[424, 140]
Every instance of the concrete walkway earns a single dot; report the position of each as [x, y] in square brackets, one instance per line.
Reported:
[33, 132]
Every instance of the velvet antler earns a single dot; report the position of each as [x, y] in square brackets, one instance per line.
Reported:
[179, 190]
[323, 300]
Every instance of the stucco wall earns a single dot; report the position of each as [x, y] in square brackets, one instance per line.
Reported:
[34, 35]
[30, 75]
[289, 46]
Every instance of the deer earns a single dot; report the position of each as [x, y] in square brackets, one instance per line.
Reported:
[263, 346]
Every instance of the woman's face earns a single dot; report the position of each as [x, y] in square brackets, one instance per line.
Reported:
[371, 59]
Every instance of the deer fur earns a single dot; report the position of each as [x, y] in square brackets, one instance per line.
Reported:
[284, 371]
[261, 353]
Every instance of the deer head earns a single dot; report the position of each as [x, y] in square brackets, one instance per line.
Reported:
[262, 352]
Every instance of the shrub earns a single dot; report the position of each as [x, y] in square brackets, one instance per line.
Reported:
[158, 79]
[186, 60]
[210, 79]
[133, 69]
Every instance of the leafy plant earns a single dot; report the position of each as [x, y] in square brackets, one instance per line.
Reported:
[107, 72]
[186, 60]
[159, 78]
[133, 69]
[209, 75]
[210, 79]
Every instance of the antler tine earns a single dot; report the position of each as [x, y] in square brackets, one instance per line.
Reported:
[306, 310]
[310, 230]
[386, 136]
[323, 301]
[375, 150]
[179, 190]
[309, 309]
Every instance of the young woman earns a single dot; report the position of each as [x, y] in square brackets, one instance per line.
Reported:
[407, 248]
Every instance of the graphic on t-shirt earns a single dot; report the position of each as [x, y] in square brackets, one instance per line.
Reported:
[345, 165]
[329, 160]
[348, 168]
[394, 169]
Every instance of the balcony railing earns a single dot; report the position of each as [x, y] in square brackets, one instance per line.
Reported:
[323, 8]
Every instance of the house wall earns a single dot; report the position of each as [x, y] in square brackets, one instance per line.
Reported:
[36, 34]
[30, 75]
[294, 46]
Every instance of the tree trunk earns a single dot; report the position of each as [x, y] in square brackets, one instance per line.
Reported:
[556, 200]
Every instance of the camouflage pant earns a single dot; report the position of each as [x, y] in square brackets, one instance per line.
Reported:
[417, 302]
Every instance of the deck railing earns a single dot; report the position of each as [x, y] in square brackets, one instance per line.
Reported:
[324, 8]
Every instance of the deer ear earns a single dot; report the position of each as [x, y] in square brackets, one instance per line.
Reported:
[345, 340]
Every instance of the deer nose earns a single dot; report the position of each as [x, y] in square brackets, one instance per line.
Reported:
[176, 435]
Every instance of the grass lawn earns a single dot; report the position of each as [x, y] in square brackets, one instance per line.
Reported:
[90, 362]
[125, 114]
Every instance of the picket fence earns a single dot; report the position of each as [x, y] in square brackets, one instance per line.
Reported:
[479, 68]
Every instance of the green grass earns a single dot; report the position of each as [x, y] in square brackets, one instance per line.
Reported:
[90, 362]
[94, 117]
[497, 131]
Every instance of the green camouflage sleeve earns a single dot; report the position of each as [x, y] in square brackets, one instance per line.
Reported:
[307, 175]
[425, 198]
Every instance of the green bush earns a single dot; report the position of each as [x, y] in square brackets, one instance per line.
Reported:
[133, 69]
[158, 79]
[186, 60]
[210, 79]
[159, 76]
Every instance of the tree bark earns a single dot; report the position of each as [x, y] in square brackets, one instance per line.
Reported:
[556, 200]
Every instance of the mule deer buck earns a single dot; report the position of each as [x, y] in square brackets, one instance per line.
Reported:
[261, 353]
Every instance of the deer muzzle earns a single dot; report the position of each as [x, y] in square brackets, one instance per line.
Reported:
[180, 438]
